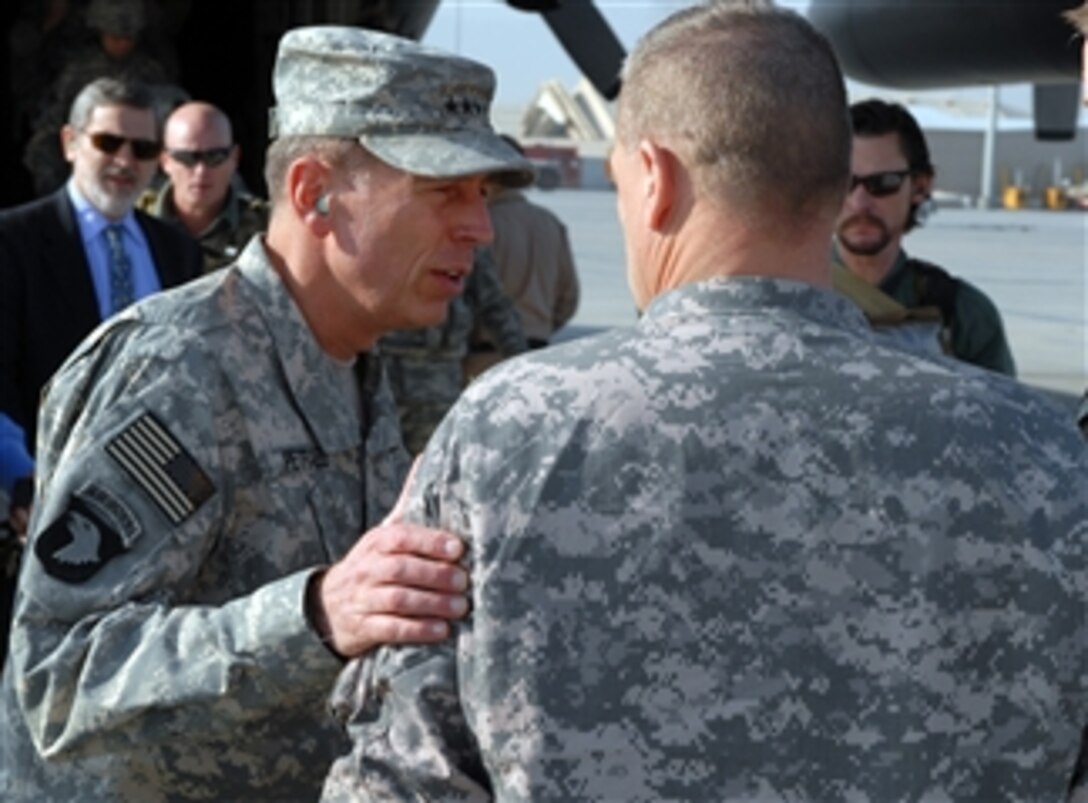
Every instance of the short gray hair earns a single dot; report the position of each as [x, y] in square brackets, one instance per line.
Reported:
[752, 100]
[337, 152]
[109, 92]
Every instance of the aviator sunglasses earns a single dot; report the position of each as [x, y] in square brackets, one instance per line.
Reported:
[880, 184]
[212, 157]
[142, 149]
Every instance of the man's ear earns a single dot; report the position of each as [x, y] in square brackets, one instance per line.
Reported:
[659, 177]
[68, 142]
[307, 183]
[921, 187]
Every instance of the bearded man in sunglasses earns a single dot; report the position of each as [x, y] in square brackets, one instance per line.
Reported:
[204, 194]
[892, 178]
[59, 274]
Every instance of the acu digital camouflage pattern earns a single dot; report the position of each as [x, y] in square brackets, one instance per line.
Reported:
[243, 216]
[183, 667]
[425, 365]
[416, 108]
[744, 551]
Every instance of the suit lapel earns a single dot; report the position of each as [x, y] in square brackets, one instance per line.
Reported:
[165, 268]
[66, 259]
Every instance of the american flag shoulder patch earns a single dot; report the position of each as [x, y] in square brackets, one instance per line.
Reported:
[162, 468]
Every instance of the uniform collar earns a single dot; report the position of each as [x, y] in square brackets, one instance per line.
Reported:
[749, 294]
[323, 388]
[164, 207]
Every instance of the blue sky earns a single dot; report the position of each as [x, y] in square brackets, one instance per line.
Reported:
[521, 48]
[523, 52]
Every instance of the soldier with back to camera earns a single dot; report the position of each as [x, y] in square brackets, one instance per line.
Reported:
[746, 549]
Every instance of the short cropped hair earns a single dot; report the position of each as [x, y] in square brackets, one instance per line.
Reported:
[1079, 17]
[337, 152]
[752, 100]
[875, 118]
[108, 92]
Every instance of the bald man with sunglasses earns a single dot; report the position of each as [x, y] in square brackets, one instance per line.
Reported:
[892, 177]
[73, 258]
[203, 193]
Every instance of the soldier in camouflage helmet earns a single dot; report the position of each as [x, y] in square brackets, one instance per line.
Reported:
[203, 193]
[745, 550]
[195, 578]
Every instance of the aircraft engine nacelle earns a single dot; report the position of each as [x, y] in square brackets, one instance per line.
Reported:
[904, 44]
[907, 44]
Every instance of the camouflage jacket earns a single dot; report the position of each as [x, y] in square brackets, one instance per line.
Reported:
[243, 216]
[746, 550]
[200, 457]
[534, 261]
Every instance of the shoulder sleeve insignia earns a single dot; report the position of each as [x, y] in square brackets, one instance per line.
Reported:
[79, 543]
[162, 468]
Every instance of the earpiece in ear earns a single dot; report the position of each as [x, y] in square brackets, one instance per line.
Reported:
[321, 206]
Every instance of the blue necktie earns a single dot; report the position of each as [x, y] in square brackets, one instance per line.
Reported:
[121, 292]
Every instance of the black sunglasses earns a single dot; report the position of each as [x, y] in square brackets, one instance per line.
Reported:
[213, 157]
[142, 149]
[880, 184]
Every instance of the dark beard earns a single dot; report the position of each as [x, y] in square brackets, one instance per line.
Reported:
[869, 249]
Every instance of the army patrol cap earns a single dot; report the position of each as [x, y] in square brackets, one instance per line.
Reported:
[419, 109]
[118, 17]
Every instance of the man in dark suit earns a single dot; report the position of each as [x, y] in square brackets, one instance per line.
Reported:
[72, 259]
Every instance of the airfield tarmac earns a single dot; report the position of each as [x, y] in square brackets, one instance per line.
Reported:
[1032, 263]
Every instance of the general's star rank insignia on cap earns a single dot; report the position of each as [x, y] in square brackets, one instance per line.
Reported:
[149, 454]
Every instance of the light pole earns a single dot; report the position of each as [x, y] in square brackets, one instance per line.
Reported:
[989, 138]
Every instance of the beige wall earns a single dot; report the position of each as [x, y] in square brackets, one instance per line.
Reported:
[957, 156]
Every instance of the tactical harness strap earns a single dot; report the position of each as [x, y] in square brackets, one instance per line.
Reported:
[936, 287]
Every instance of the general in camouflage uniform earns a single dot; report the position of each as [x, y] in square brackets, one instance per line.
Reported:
[425, 365]
[747, 550]
[198, 461]
[194, 577]
[243, 216]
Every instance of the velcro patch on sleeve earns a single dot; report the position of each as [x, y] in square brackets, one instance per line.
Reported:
[79, 543]
[160, 466]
